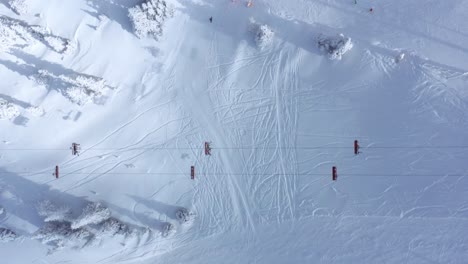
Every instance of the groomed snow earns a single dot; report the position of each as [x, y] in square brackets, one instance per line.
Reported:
[278, 118]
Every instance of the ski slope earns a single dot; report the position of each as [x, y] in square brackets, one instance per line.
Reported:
[278, 119]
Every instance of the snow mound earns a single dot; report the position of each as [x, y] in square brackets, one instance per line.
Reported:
[35, 111]
[8, 110]
[149, 17]
[6, 235]
[264, 36]
[78, 88]
[336, 46]
[51, 212]
[93, 213]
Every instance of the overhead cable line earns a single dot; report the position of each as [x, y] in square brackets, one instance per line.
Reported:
[242, 174]
[240, 148]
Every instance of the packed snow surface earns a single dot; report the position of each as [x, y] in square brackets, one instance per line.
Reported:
[279, 89]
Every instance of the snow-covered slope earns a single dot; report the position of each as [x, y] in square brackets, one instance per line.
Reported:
[279, 114]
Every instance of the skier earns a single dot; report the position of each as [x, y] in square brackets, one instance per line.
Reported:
[211, 19]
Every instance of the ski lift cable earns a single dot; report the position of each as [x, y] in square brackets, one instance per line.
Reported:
[242, 148]
[244, 174]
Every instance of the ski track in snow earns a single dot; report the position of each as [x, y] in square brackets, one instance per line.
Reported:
[258, 107]
[238, 199]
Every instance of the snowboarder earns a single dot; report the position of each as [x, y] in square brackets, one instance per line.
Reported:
[355, 2]
[211, 19]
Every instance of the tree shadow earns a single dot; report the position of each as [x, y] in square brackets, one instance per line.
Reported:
[7, 4]
[54, 68]
[403, 28]
[233, 22]
[152, 223]
[31, 68]
[21, 120]
[15, 101]
[116, 11]
[236, 22]
[23, 69]
[54, 76]
[20, 196]
[162, 208]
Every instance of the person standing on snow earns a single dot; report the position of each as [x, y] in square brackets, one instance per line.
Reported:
[211, 19]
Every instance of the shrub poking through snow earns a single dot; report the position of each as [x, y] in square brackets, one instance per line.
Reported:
[184, 216]
[149, 17]
[6, 235]
[58, 44]
[59, 234]
[52, 212]
[93, 213]
[167, 229]
[335, 46]
[264, 36]
[8, 110]
[114, 226]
